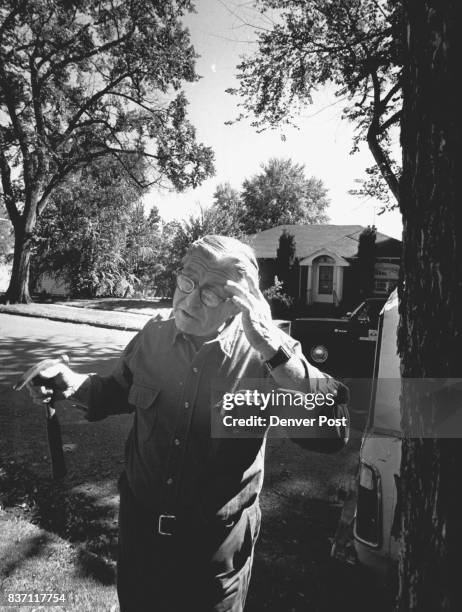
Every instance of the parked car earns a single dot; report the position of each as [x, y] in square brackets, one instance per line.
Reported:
[330, 343]
[375, 526]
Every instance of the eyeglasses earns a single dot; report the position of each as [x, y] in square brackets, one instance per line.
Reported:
[208, 297]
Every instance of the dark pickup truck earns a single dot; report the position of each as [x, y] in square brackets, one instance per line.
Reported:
[343, 346]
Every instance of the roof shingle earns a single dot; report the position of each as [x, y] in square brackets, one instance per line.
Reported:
[339, 239]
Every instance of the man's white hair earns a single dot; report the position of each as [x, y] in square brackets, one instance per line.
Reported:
[228, 251]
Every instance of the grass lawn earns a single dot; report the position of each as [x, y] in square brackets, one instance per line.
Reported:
[37, 561]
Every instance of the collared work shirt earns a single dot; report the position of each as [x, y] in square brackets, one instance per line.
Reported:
[173, 464]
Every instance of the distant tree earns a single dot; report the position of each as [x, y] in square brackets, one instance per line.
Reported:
[286, 263]
[170, 254]
[80, 81]
[142, 246]
[354, 45]
[226, 211]
[282, 194]
[366, 261]
[94, 234]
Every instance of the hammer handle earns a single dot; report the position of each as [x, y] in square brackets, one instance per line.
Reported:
[55, 443]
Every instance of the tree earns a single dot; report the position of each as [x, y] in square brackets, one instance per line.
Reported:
[282, 194]
[142, 245]
[80, 81]
[226, 211]
[94, 234]
[366, 261]
[286, 263]
[430, 333]
[353, 44]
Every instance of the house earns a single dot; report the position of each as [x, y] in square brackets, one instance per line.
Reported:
[326, 258]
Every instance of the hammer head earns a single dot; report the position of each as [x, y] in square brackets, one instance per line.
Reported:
[34, 371]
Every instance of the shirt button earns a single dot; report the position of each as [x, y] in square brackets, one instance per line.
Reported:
[186, 404]
[176, 442]
[169, 481]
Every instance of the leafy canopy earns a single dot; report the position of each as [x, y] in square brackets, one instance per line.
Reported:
[353, 45]
[81, 80]
[94, 234]
[282, 194]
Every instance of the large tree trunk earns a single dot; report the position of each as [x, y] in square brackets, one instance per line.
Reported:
[18, 290]
[431, 307]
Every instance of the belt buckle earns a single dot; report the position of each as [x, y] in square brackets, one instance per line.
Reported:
[162, 528]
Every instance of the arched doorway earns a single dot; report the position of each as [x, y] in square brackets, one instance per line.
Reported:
[323, 279]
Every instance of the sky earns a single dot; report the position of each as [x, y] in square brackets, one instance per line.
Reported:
[322, 142]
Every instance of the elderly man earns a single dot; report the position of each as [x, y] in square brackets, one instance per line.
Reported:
[189, 513]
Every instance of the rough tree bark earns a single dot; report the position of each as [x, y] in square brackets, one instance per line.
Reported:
[430, 333]
[18, 289]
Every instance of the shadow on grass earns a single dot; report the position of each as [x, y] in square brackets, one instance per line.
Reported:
[294, 571]
[18, 354]
[122, 304]
[26, 490]
[30, 547]
[73, 517]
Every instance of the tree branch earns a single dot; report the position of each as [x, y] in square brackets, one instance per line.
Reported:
[383, 162]
[380, 156]
[78, 58]
[11, 16]
[18, 128]
[390, 121]
[90, 101]
[132, 99]
[394, 90]
[8, 194]
[69, 41]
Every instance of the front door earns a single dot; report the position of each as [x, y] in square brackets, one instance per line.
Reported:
[323, 283]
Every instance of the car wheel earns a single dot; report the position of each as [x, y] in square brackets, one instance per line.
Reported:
[319, 353]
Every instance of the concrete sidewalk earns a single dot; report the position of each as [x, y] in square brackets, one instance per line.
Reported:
[88, 316]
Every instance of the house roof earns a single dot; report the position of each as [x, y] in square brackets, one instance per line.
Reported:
[339, 239]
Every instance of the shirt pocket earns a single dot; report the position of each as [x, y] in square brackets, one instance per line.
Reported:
[145, 401]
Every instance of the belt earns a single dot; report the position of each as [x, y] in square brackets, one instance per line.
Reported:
[166, 524]
[170, 525]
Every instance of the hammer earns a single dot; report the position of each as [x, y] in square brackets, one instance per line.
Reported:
[55, 444]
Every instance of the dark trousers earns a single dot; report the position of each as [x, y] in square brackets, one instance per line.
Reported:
[197, 568]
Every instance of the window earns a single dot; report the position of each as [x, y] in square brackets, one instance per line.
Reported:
[384, 287]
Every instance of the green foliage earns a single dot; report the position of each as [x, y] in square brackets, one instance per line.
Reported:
[226, 211]
[89, 80]
[366, 261]
[353, 45]
[279, 301]
[282, 194]
[287, 264]
[95, 236]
